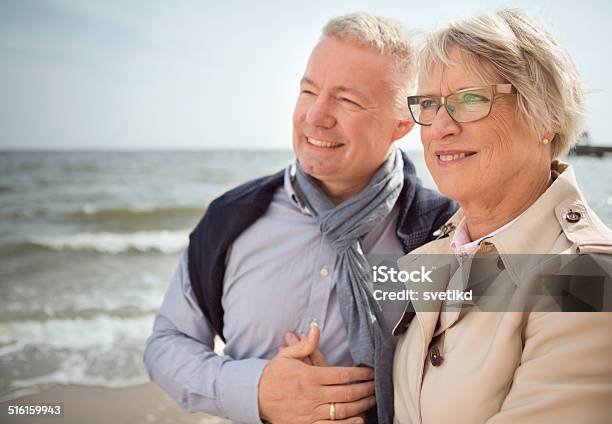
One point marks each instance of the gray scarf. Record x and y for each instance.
(370, 342)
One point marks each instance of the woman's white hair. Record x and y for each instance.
(550, 93)
(386, 36)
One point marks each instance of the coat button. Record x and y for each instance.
(435, 357)
(572, 216)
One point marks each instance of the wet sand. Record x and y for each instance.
(145, 403)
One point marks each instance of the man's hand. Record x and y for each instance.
(290, 391)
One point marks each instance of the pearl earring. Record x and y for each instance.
(545, 141)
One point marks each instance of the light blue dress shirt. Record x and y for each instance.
(280, 275)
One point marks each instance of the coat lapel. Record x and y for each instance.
(426, 303)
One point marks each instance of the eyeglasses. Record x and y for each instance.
(468, 105)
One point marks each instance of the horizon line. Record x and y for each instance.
(161, 150)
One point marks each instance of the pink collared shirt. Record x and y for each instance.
(462, 244)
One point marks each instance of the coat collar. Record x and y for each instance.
(540, 218)
(546, 218)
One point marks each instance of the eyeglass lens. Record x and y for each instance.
(464, 106)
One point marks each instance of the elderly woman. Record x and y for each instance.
(499, 102)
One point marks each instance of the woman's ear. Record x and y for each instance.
(547, 137)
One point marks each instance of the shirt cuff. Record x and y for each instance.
(238, 389)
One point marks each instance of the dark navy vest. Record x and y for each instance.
(422, 211)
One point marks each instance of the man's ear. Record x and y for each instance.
(403, 127)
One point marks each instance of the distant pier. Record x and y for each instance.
(585, 148)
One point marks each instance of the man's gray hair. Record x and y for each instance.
(550, 93)
(386, 36)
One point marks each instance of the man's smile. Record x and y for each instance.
(323, 143)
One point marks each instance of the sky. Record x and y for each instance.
(158, 74)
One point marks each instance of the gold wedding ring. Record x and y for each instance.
(332, 411)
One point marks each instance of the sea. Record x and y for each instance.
(90, 240)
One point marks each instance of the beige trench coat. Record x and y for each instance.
(511, 367)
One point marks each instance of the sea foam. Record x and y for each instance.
(141, 241)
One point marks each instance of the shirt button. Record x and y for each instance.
(435, 357)
(324, 272)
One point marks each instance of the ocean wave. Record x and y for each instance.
(41, 313)
(102, 351)
(121, 297)
(167, 242)
(101, 332)
(78, 375)
(90, 212)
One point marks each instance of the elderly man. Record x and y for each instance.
(281, 252)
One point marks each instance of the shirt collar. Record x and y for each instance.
(289, 186)
(462, 243)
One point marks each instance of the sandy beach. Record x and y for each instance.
(145, 403)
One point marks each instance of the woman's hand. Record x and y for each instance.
(305, 347)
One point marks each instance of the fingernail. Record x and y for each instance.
(313, 325)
